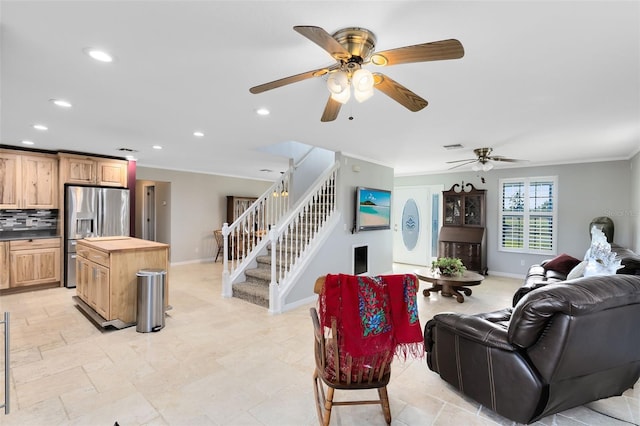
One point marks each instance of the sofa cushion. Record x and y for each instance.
(578, 270)
(562, 263)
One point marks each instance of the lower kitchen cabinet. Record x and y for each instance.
(5, 262)
(34, 262)
(92, 285)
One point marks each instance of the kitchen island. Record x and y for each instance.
(106, 270)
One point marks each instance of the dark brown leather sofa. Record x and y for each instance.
(562, 346)
(540, 275)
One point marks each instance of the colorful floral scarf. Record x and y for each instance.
(374, 315)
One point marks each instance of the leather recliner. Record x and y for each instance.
(561, 346)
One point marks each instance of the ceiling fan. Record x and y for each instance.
(483, 160)
(354, 47)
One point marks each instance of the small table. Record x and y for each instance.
(449, 286)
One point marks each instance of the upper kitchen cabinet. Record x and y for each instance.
(84, 170)
(10, 182)
(28, 181)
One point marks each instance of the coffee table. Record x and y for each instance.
(449, 286)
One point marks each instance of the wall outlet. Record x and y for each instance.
(521, 262)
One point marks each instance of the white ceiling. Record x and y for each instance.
(546, 81)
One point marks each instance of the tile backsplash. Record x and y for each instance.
(28, 220)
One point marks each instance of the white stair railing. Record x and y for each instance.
(296, 233)
(251, 228)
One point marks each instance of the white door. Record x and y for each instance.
(416, 220)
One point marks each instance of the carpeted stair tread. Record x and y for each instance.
(255, 293)
(259, 274)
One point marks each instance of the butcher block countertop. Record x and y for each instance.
(116, 244)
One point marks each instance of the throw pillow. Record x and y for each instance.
(562, 263)
(577, 271)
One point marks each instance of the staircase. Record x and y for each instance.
(267, 271)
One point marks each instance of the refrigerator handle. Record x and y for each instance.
(100, 214)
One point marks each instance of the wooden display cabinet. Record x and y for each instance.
(463, 234)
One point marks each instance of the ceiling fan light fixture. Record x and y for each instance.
(476, 167)
(342, 97)
(362, 96)
(362, 80)
(338, 82)
(487, 166)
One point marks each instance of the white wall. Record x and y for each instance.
(584, 192)
(197, 206)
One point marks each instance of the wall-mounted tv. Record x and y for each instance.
(373, 209)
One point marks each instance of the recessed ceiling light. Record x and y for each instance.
(198, 134)
(157, 147)
(40, 127)
(262, 111)
(61, 103)
(98, 55)
(27, 142)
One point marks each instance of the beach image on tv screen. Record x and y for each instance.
(375, 208)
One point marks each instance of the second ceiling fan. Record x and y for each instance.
(483, 160)
(354, 47)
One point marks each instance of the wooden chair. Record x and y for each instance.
(219, 242)
(345, 373)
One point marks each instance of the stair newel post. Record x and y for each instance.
(226, 277)
(274, 297)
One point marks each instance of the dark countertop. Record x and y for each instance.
(26, 235)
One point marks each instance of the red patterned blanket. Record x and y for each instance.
(373, 314)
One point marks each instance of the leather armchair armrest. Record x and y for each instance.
(470, 327)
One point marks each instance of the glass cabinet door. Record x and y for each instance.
(473, 210)
(452, 210)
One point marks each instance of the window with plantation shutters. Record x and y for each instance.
(528, 215)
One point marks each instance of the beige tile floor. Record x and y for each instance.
(222, 362)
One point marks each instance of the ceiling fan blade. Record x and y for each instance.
(434, 51)
(504, 159)
(331, 110)
(323, 39)
(398, 92)
(460, 161)
(292, 79)
(462, 164)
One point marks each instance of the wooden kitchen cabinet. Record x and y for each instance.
(40, 182)
(87, 170)
(5, 262)
(463, 233)
(10, 182)
(29, 181)
(112, 173)
(106, 276)
(92, 283)
(34, 262)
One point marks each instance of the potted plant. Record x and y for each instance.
(449, 266)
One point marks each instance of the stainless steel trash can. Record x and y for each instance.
(150, 300)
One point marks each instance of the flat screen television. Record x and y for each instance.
(373, 209)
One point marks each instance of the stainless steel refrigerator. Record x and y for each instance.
(92, 212)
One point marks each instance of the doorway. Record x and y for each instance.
(417, 217)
